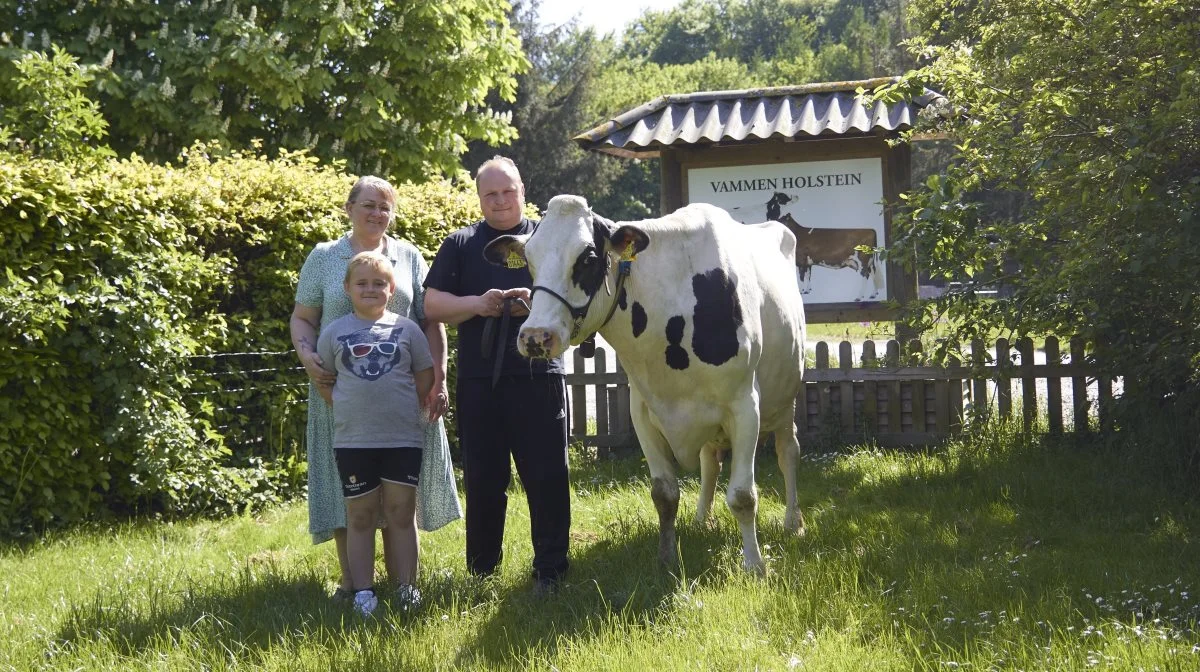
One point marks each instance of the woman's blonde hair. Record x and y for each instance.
(377, 183)
(372, 260)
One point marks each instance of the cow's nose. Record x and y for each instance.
(536, 343)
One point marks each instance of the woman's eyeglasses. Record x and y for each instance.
(364, 349)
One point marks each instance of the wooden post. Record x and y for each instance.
(979, 399)
(602, 424)
(870, 392)
(846, 364)
(578, 399)
(1079, 404)
(1054, 387)
(1003, 380)
(956, 397)
(895, 407)
(622, 420)
(913, 356)
(823, 400)
(1028, 384)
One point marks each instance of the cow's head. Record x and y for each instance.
(570, 256)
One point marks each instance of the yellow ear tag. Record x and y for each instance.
(514, 260)
(628, 254)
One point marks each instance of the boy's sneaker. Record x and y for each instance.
(408, 598)
(365, 602)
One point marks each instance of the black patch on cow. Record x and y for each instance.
(638, 315)
(589, 270)
(621, 299)
(677, 356)
(717, 318)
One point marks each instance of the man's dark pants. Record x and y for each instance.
(524, 417)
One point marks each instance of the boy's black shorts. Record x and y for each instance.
(362, 469)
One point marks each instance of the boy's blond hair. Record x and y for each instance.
(372, 260)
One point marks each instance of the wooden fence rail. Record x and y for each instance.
(901, 398)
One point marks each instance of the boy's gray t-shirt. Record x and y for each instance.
(375, 397)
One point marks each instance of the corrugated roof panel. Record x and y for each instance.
(736, 116)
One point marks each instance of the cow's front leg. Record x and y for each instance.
(742, 495)
(664, 485)
(665, 493)
(710, 468)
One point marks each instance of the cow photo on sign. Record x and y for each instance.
(833, 208)
(705, 316)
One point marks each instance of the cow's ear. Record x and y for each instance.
(629, 240)
(507, 251)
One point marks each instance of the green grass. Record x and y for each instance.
(996, 553)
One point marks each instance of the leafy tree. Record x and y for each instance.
(44, 106)
(393, 87)
(554, 102)
(1092, 109)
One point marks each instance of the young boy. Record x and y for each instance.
(384, 370)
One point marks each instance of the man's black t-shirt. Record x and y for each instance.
(460, 269)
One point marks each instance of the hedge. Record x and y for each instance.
(122, 280)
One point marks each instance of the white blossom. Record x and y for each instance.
(45, 39)
(167, 89)
(108, 60)
(93, 34)
(253, 13)
(164, 31)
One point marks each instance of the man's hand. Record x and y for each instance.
(490, 303)
(522, 300)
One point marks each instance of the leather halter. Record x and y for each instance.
(579, 313)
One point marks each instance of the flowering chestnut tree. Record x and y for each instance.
(392, 87)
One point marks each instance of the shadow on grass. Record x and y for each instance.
(615, 581)
(247, 613)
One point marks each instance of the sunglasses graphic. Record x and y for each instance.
(364, 349)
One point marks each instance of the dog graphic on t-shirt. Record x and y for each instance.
(367, 354)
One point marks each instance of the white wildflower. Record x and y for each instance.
(168, 91)
(137, 75)
(93, 34)
(107, 31)
(45, 39)
(164, 31)
(253, 14)
(108, 60)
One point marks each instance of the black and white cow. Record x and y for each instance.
(709, 326)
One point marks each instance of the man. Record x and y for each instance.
(507, 405)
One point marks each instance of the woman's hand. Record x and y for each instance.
(317, 373)
(437, 402)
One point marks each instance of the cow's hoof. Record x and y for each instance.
(758, 569)
(792, 522)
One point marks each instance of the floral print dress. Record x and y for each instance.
(321, 286)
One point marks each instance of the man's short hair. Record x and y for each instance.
(372, 260)
(377, 183)
(503, 163)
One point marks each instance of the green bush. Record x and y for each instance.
(122, 281)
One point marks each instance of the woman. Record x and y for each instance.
(320, 299)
